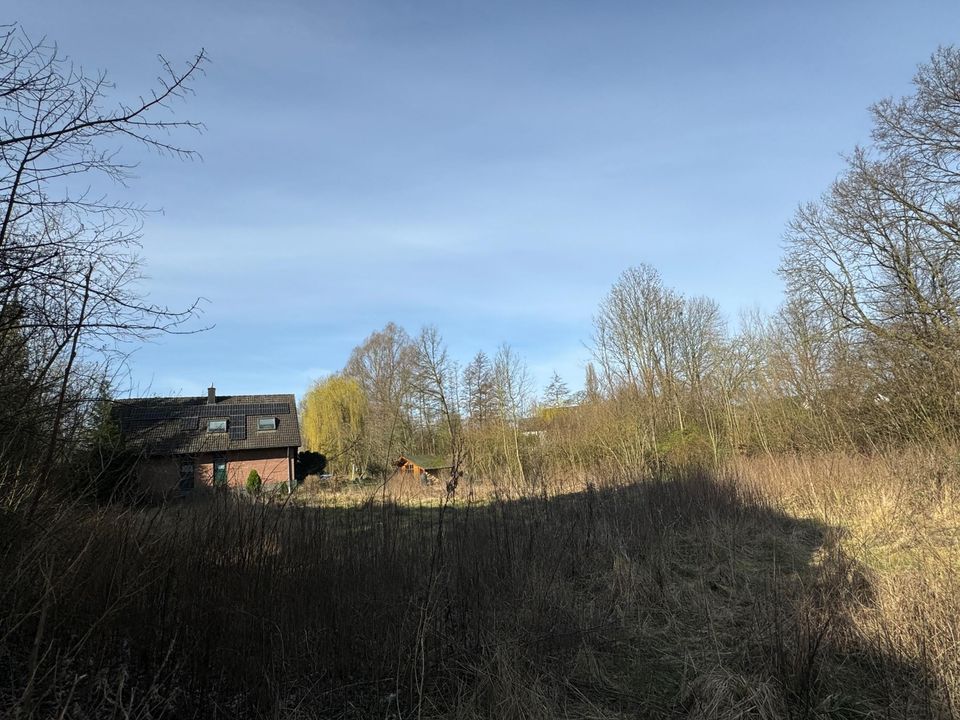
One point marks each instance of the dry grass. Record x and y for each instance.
(406, 489)
(898, 517)
(788, 587)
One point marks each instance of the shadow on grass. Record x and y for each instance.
(684, 597)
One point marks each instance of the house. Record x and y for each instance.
(196, 442)
(424, 467)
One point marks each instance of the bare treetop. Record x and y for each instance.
(59, 131)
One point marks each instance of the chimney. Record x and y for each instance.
(211, 395)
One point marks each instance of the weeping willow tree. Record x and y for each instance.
(333, 421)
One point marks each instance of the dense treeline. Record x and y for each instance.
(862, 353)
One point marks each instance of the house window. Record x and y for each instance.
(186, 475)
(220, 471)
(216, 426)
(267, 423)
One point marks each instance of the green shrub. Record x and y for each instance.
(690, 448)
(254, 483)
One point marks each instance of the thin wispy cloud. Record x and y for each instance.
(487, 167)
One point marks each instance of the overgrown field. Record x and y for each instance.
(778, 587)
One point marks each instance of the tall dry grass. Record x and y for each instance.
(780, 588)
(897, 519)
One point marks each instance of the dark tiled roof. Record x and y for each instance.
(427, 462)
(164, 425)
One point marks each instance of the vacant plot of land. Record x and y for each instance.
(814, 588)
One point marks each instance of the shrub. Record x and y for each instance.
(254, 483)
(689, 448)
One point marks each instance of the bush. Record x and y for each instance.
(254, 483)
(689, 448)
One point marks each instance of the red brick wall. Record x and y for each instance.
(162, 475)
(273, 465)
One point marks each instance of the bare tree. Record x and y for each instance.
(478, 386)
(700, 339)
(69, 270)
(436, 377)
(880, 250)
(57, 132)
(591, 384)
(632, 341)
(512, 383)
(383, 364)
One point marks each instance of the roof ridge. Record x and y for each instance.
(202, 398)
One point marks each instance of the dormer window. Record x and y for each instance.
(216, 426)
(267, 423)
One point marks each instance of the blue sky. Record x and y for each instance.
(489, 167)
